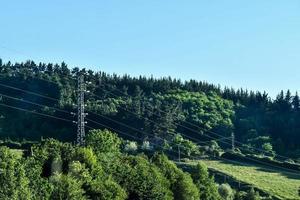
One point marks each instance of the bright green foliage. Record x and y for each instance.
(14, 185)
(268, 148)
(280, 184)
(53, 155)
(226, 192)
(181, 183)
(252, 195)
(107, 189)
(86, 156)
(166, 101)
(57, 170)
(41, 188)
(240, 195)
(206, 185)
(142, 180)
(264, 143)
(103, 141)
(66, 188)
(209, 111)
(185, 189)
(214, 148)
(187, 147)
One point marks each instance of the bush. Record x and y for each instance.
(130, 147)
(226, 192)
(252, 195)
(146, 146)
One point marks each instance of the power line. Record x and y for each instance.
(34, 112)
(134, 114)
(220, 158)
(194, 125)
(208, 136)
(36, 104)
(46, 115)
(245, 157)
(29, 92)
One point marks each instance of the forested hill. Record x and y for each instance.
(151, 108)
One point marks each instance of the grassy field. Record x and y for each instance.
(280, 183)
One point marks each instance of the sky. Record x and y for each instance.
(250, 44)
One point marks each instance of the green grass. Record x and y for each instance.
(281, 184)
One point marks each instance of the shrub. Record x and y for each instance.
(226, 192)
(130, 147)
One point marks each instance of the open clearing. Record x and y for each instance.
(278, 183)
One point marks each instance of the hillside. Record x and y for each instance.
(179, 119)
(154, 107)
(279, 183)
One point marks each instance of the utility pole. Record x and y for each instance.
(232, 141)
(80, 111)
(178, 147)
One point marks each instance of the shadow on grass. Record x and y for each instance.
(291, 174)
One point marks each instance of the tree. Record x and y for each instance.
(103, 141)
(181, 183)
(226, 192)
(14, 184)
(106, 189)
(40, 187)
(66, 187)
(252, 195)
(296, 102)
(141, 179)
(268, 148)
(206, 185)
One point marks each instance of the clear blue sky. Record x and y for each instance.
(251, 44)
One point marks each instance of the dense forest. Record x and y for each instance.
(148, 109)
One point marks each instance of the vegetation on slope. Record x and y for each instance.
(58, 170)
(282, 184)
(171, 104)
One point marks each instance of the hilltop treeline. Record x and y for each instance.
(155, 108)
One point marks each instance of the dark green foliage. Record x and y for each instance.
(142, 180)
(167, 102)
(174, 103)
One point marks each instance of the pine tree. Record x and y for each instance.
(296, 102)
